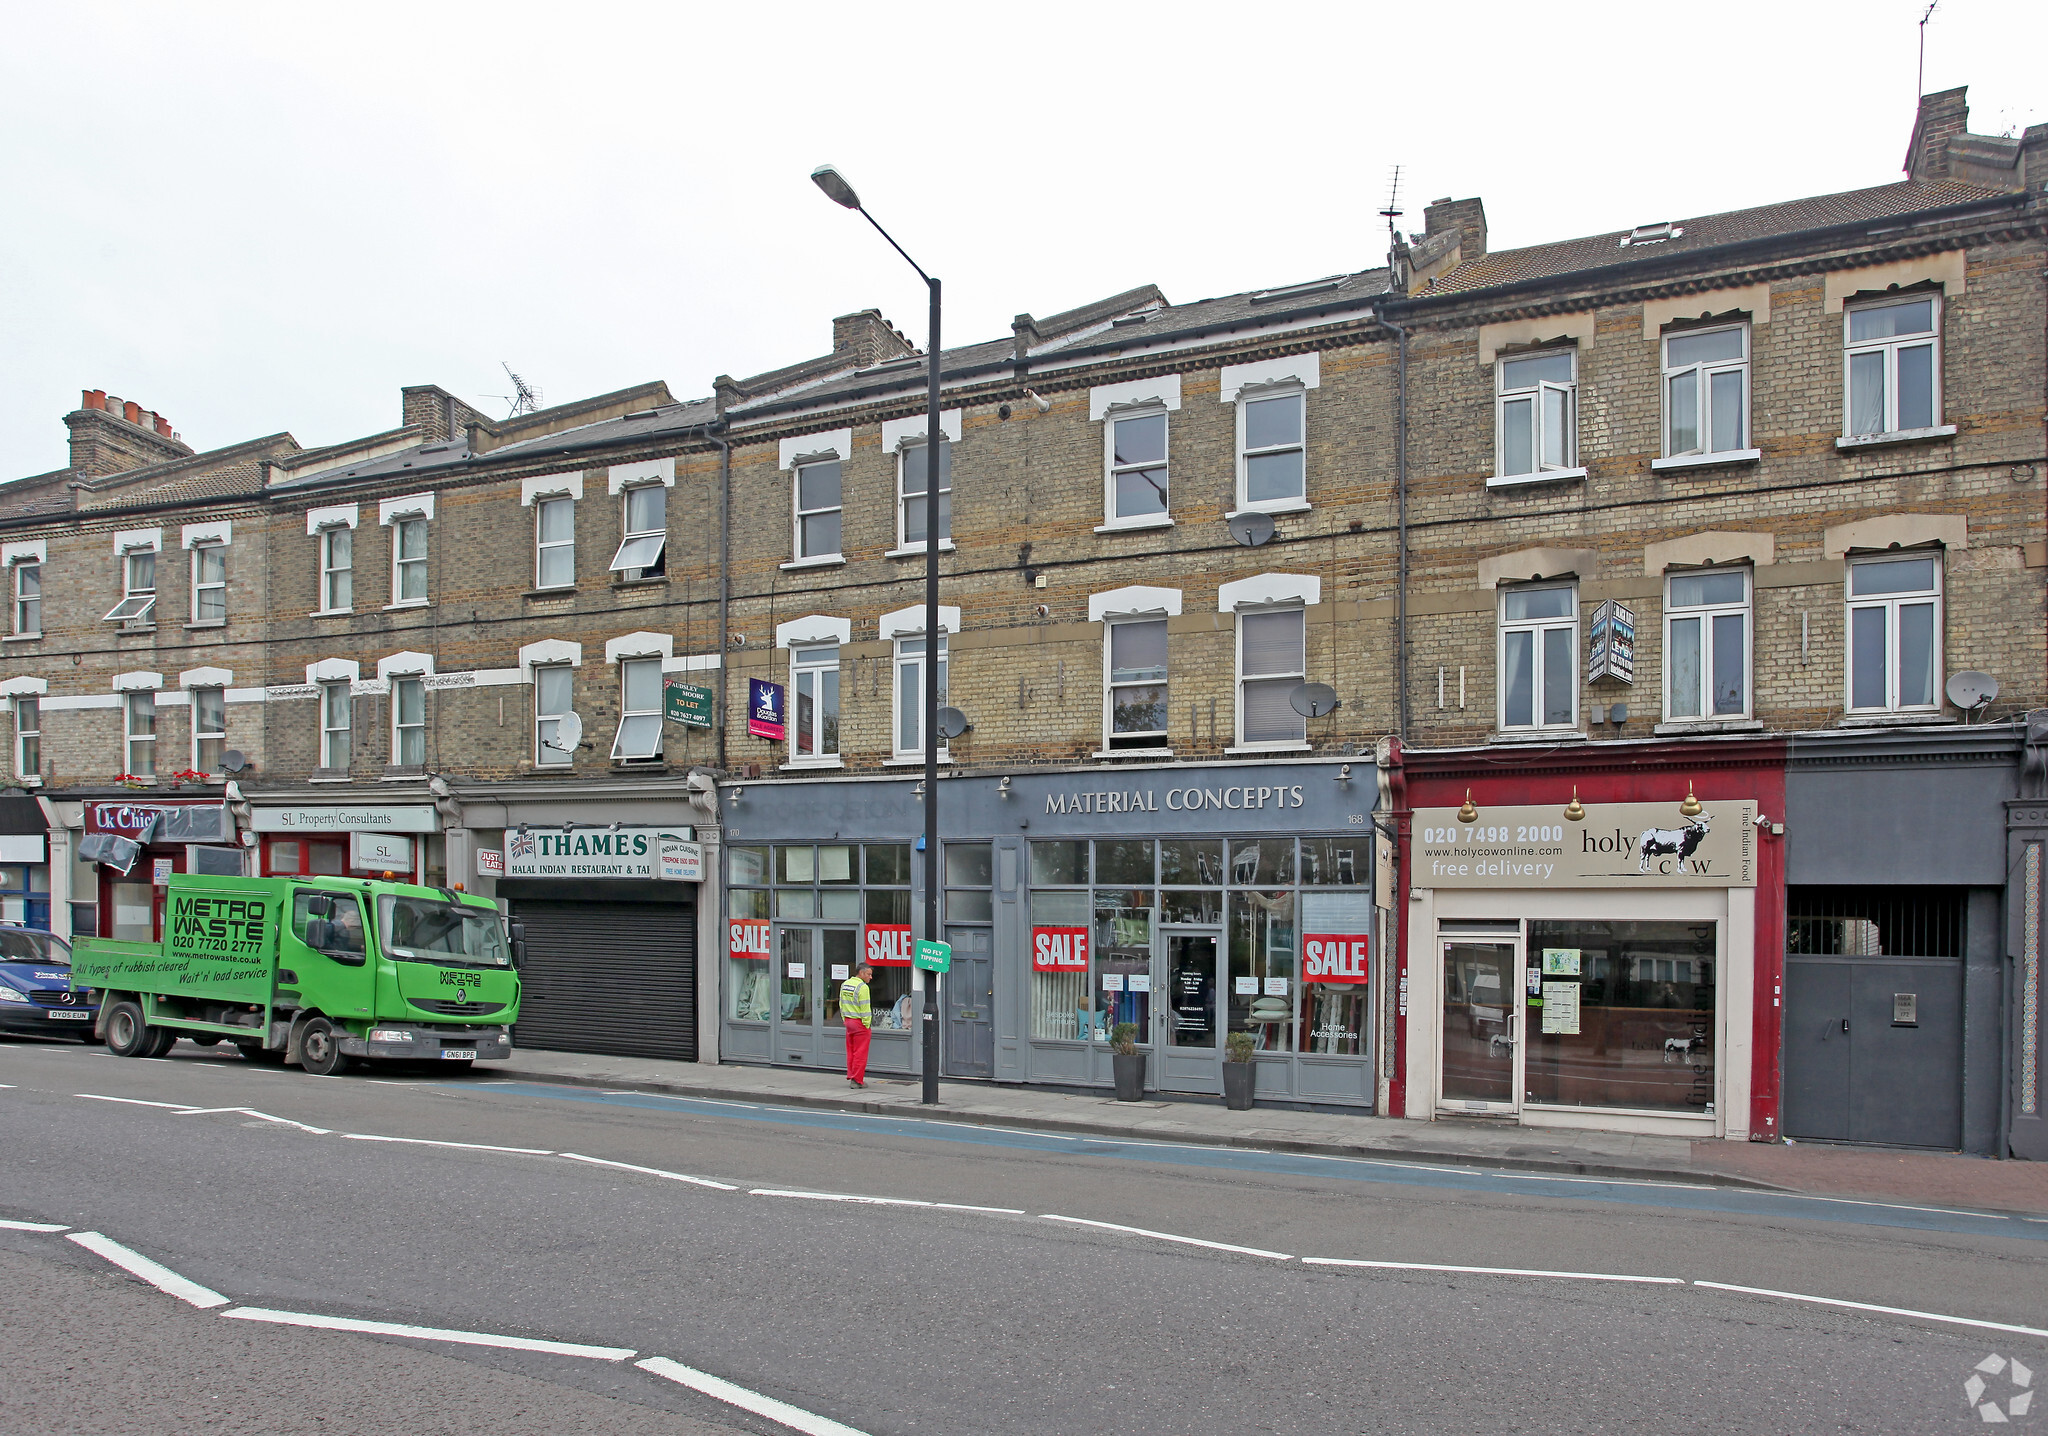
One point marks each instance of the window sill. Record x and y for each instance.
(633, 767)
(403, 773)
(126, 629)
(1929, 718)
(914, 760)
(1537, 735)
(331, 613)
(1125, 526)
(560, 590)
(27, 782)
(208, 623)
(1678, 727)
(658, 581)
(1276, 507)
(1547, 476)
(328, 775)
(1112, 754)
(410, 603)
(1708, 461)
(1897, 436)
(916, 550)
(806, 765)
(21, 638)
(823, 560)
(1256, 748)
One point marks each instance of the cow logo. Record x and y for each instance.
(1678, 843)
(2018, 1378)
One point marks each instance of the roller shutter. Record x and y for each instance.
(617, 979)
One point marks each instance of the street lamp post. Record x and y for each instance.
(839, 191)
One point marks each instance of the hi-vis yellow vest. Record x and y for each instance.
(853, 1000)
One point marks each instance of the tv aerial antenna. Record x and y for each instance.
(1920, 81)
(524, 398)
(1393, 212)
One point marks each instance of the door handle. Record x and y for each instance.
(1845, 1024)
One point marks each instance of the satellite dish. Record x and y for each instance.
(1251, 529)
(1971, 690)
(233, 761)
(568, 733)
(1314, 700)
(952, 722)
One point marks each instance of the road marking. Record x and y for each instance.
(265, 1116)
(466, 1146)
(1170, 1237)
(136, 1264)
(1902, 1207)
(794, 1417)
(1495, 1270)
(651, 1172)
(962, 1207)
(429, 1333)
(33, 1227)
(838, 1197)
(1866, 1306)
(136, 1102)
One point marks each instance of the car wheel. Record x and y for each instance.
(320, 1049)
(127, 1034)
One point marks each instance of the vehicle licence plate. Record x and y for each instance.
(59, 1015)
(467, 1054)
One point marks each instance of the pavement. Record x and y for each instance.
(1868, 1173)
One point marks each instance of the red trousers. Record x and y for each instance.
(856, 1050)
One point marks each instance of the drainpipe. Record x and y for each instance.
(1401, 519)
(724, 579)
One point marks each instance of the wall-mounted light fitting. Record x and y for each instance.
(1575, 811)
(1003, 788)
(1692, 807)
(1344, 773)
(737, 794)
(1470, 812)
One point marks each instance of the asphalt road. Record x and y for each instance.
(990, 1292)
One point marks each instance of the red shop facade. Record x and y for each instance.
(1591, 935)
(136, 846)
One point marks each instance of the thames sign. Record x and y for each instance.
(590, 852)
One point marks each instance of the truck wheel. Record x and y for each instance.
(161, 1040)
(127, 1034)
(320, 1049)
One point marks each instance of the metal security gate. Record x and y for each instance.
(1874, 1015)
(619, 979)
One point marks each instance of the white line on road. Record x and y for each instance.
(650, 1171)
(1170, 1237)
(838, 1197)
(1866, 1306)
(794, 1417)
(1495, 1270)
(429, 1333)
(963, 1207)
(33, 1227)
(429, 1142)
(265, 1116)
(137, 1102)
(136, 1264)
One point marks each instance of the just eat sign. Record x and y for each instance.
(1333, 957)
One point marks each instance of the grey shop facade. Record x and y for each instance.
(1190, 901)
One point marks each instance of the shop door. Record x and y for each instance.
(1482, 1013)
(810, 964)
(1190, 1044)
(970, 994)
(1874, 1050)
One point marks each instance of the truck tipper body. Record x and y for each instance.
(317, 971)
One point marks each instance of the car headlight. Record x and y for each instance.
(389, 1034)
(8, 994)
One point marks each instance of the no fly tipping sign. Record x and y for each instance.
(933, 956)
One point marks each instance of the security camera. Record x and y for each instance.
(1044, 404)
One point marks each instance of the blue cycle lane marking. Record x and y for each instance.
(1726, 1200)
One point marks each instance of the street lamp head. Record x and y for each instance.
(828, 179)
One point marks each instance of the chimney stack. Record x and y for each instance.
(870, 338)
(1943, 116)
(110, 435)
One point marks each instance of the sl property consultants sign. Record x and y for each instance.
(1616, 845)
(597, 853)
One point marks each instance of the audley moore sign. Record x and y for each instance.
(1616, 845)
(596, 853)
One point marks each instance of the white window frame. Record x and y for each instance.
(400, 526)
(1110, 685)
(1259, 394)
(1892, 603)
(655, 556)
(1537, 626)
(904, 658)
(138, 605)
(336, 740)
(138, 744)
(1111, 469)
(905, 544)
(201, 736)
(627, 668)
(543, 547)
(806, 668)
(28, 766)
(402, 730)
(1704, 373)
(1502, 397)
(1242, 678)
(201, 586)
(799, 513)
(331, 572)
(23, 629)
(1705, 614)
(1889, 348)
(547, 722)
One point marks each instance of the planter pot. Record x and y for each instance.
(1237, 1086)
(1130, 1076)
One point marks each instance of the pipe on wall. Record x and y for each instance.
(1400, 521)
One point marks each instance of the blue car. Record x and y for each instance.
(35, 986)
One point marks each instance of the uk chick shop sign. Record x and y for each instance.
(590, 852)
(1617, 845)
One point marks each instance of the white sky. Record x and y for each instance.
(262, 217)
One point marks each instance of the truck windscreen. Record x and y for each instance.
(421, 930)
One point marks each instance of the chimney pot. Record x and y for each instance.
(163, 426)
(94, 399)
(132, 412)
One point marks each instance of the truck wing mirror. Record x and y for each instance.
(320, 905)
(519, 944)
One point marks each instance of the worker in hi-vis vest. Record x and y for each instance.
(853, 1006)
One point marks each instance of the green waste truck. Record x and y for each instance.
(317, 971)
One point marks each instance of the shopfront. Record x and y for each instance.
(24, 861)
(362, 840)
(1597, 961)
(1179, 904)
(131, 848)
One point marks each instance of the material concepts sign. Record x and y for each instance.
(1617, 845)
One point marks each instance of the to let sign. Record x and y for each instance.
(764, 709)
(690, 704)
(1059, 949)
(1334, 957)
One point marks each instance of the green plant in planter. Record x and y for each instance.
(1123, 1039)
(1237, 1047)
